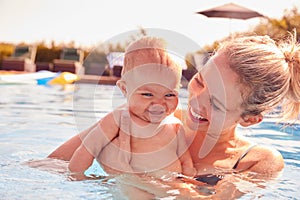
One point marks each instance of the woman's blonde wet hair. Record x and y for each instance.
(269, 72)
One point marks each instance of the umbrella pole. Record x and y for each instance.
(230, 21)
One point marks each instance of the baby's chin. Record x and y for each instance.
(148, 120)
(155, 120)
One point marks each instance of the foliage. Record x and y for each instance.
(6, 50)
(276, 28)
(46, 54)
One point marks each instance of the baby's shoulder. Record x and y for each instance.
(179, 113)
(113, 117)
(171, 119)
(171, 123)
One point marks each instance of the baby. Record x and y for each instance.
(142, 135)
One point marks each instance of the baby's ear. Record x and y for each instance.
(249, 120)
(122, 86)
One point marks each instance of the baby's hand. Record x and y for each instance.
(190, 171)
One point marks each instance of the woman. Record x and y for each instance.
(246, 78)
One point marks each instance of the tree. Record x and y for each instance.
(278, 28)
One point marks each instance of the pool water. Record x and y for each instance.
(36, 119)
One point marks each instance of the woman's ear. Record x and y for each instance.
(249, 120)
(122, 86)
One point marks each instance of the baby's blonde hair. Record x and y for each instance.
(270, 73)
(147, 50)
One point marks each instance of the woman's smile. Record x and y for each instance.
(196, 117)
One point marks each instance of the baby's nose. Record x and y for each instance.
(158, 108)
(158, 100)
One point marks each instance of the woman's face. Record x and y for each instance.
(214, 97)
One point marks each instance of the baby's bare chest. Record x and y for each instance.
(165, 138)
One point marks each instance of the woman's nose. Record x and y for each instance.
(201, 99)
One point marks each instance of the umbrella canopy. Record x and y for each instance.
(230, 10)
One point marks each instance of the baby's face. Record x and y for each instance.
(152, 102)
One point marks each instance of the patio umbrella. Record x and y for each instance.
(230, 11)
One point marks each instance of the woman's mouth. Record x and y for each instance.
(197, 117)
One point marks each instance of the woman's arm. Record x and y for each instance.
(67, 149)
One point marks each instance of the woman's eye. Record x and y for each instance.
(199, 81)
(147, 94)
(215, 107)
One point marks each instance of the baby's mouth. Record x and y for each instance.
(197, 116)
(156, 113)
(156, 110)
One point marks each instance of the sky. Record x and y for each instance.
(91, 22)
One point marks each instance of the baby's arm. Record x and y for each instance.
(187, 164)
(81, 160)
(184, 154)
(94, 142)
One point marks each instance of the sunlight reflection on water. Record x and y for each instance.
(36, 119)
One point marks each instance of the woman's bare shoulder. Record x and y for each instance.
(269, 160)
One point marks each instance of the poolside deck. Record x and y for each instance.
(88, 79)
(94, 79)
(11, 72)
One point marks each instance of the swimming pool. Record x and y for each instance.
(36, 119)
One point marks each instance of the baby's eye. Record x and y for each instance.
(170, 95)
(146, 94)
